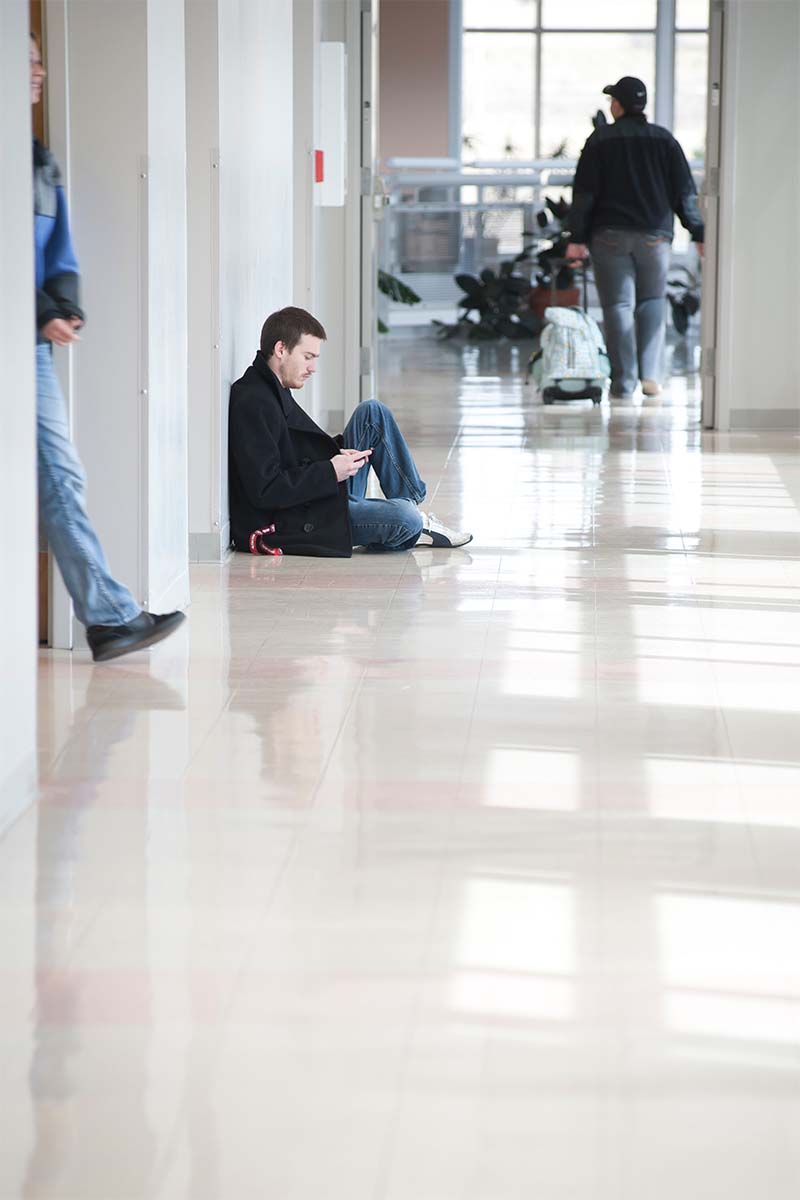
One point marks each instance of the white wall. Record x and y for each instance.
(18, 540)
(338, 247)
(305, 138)
(758, 386)
(127, 189)
(166, 451)
(415, 78)
(207, 539)
(241, 52)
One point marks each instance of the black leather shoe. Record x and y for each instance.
(112, 641)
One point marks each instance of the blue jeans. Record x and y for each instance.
(630, 270)
(393, 523)
(96, 595)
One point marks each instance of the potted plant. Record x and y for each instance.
(555, 278)
(494, 305)
(396, 290)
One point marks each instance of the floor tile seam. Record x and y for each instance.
(447, 460)
(198, 750)
(336, 739)
(412, 1025)
(731, 757)
(475, 701)
(67, 962)
(248, 953)
(67, 743)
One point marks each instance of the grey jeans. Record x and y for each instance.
(630, 271)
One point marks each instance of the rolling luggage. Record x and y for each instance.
(572, 362)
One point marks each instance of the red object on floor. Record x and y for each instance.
(319, 166)
(257, 546)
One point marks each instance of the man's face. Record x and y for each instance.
(37, 73)
(294, 367)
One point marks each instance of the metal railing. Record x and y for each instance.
(444, 217)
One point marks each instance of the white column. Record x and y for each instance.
(338, 260)
(241, 167)
(209, 527)
(126, 132)
(305, 142)
(759, 218)
(664, 107)
(18, 541)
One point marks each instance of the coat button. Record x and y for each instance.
(308, 527)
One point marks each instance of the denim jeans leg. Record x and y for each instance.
(98, 598)
(615, 277)
(373, 425)
(385, 524)
(652, 254)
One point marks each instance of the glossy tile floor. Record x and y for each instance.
(442, 876)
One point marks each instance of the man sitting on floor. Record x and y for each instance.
(295, 489)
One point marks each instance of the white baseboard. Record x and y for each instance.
(765, 419)
(210, 547)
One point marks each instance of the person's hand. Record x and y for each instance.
(701, 250)
(576, 251)
(349, 462)
(61, 332)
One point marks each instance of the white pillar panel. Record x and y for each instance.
(18, 540)
(256, 161)
(306, 120)
(759, 218)
(209, 530)
(339, 262)
(127, 175)
(240, 202)
(166, 450)
(331, 191)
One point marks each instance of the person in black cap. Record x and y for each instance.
(631, 178)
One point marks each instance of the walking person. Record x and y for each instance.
(115, 624)
(632, 178)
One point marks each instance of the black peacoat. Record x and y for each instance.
(280, 471)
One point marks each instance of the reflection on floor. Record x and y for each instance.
(465, 875)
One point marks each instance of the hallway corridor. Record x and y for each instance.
(468, 875)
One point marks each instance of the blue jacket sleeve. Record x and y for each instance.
(61, 284)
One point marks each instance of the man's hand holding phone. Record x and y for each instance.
(349, 463)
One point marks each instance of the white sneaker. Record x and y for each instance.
(435, 533)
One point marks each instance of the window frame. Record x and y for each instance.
(665, 33)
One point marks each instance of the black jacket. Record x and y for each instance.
(280, 471)
(633, 175)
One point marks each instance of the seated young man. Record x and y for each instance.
(297, 490)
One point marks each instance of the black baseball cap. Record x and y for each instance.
(630, 91)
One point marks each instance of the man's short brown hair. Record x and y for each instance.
(288, 325)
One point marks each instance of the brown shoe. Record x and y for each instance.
(650, 387)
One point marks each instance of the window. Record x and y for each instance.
(575, 69)
(691, 82)
(499, 95)
(590, 14)
(533, 72)
(691, 14)
(499, 14)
